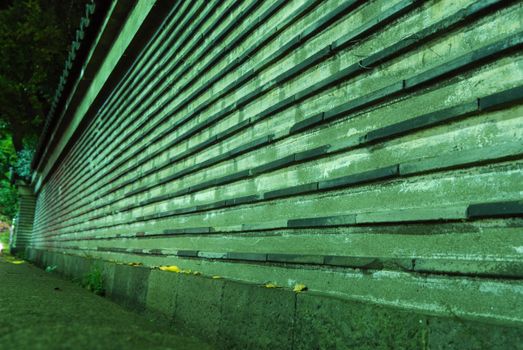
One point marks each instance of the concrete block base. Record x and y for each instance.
(234, 315)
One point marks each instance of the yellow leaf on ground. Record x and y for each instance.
(171, 268)
(135, 264)
(299, 288)
(216, 277)
(270, 285)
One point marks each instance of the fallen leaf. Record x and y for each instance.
(270, 285)
(171, 268)
(299, 288)
(216, 277)
(135, 264)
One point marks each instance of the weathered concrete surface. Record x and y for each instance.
(235, 315)
(370, 150)
(39, 310)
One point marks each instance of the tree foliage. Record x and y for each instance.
(35, 36)
(8, 202)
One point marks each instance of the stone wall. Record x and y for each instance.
(23, 223)
(368, 150)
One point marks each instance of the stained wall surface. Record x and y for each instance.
(23, 223)
(369, 150)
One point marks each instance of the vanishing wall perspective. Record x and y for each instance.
(369, 150)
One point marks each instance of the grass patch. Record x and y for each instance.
(93, 281)
(4, 239)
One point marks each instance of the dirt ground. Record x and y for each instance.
(39, 310)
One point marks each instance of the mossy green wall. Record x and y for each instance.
(368, 150)
(23, 224)
(237, 315)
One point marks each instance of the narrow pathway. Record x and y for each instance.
(39, 310)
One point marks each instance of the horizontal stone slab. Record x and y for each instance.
(413, 214)
(495, 209)
(157, 252)
(502, 99)
(313, 153)
(274, 165)
(248, 98)
(243, 200)
(343, 9)
(423, 121)
(233, 129)
(330, 81)
(364, 101)
(307, 123)
(188, 230)
(354, 262)
(464, 61)
(213, 205)
(340, 220)
(212, 255)
(296, 258)
(250, 145)
(467, 157)
(303, 65)
(290, 191)
(241, 175)
(187, 253)
(247, 256)
(267, 225)
(376, 23)
(367, 176)
(202, 186)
